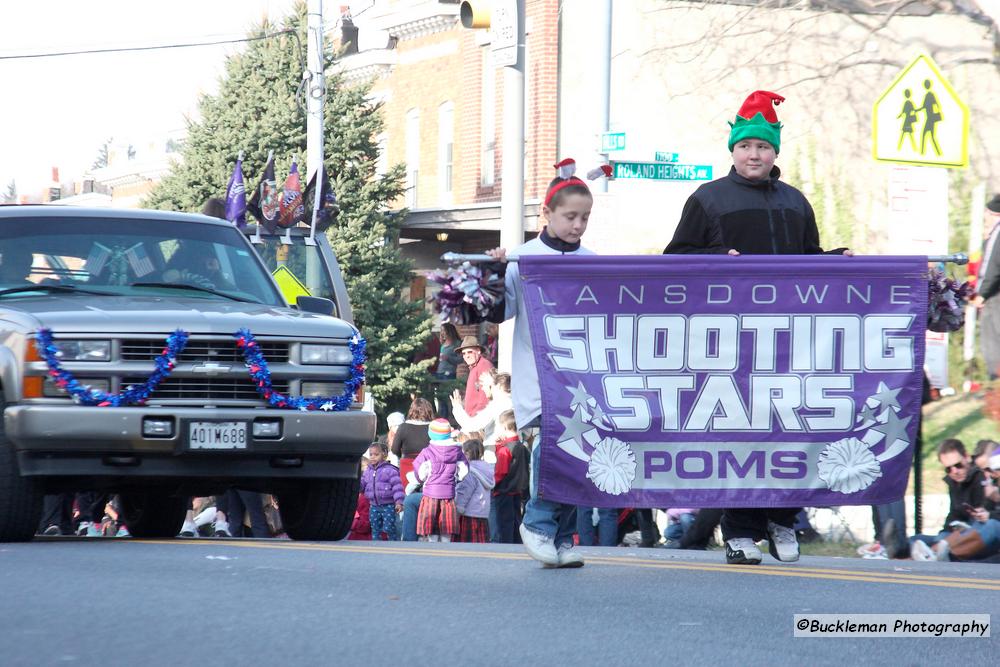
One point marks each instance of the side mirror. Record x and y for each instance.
(314, 304)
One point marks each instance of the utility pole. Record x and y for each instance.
(512, 173)
(315, 90)
(603, 75)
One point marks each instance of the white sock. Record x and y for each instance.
(446, 538)
(206, 517)
(221, 525)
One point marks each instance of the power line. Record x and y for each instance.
(147, 48)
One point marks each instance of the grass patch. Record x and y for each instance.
(843, 549)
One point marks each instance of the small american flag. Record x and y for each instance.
(97, 258)
(139, 260)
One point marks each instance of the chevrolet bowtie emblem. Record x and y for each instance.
(211, 368)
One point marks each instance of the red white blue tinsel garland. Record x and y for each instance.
(946, 302)
(260, 373)
(468, 292)
(132, 395)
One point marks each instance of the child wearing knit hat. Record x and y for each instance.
(750, 211)
(437, 467)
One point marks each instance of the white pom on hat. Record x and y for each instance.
(603, 170)
(566, 168)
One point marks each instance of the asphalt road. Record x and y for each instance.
(244, 602)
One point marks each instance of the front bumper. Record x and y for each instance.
(75, 440)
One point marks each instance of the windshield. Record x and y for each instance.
(298, 268)
(119, 255)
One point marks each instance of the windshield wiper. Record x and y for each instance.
(195, 288)
(54, 288)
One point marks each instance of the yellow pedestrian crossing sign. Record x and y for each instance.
(921, 120)
(291, 287)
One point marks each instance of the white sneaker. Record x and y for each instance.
(742, 551)
(568, 557)
(221, 529)
(189, 529)
(941, 550)
(783, 544)
(433, 538)
(920, 551)
(539, 547)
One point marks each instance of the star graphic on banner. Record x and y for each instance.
(894, 429)
(886, 397)
(580, 396)
(327, 406)
(599, 418)
(867, 415)
(574, 428)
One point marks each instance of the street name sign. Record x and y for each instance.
(666, 157)
(662, 171)
(612, 141)
(921, 120)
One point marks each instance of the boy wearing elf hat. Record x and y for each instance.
(750, 211)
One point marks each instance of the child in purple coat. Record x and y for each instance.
(437, 466)
(381, 485)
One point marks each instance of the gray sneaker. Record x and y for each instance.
(540, 547)
(742, 551)
(568, 557)
(783, 544)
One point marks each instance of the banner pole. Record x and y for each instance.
(959, 258)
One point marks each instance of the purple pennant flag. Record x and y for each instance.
(264, 200)
(705, 381)
(236, 197)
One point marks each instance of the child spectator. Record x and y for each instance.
(472, 496)
(436, 466)
(512, 473)
(381, 485)
(361, 527)
(679, 520)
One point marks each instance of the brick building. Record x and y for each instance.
(442, 103)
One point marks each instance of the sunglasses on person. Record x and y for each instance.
(958, 466)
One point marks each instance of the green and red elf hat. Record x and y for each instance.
(757, 119)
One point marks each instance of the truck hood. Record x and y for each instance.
(158, 314)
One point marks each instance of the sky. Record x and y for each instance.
(58, 111)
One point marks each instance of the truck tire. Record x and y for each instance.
(20, 497)
(322, 510)
(153, 513)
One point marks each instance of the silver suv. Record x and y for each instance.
(112, 286)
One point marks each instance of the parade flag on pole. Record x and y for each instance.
(705, 381)
(328, 208)
(264, 201)
(236, 196)
(291, 210)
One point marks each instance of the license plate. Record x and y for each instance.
(217, 435)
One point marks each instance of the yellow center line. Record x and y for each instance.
(765, 570)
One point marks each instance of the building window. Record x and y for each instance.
(412, 156)
(382, 161)
(489, 120)
(446, 147)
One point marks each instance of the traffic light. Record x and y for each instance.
(475, 13)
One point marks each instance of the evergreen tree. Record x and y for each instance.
(10, 197)
(101, 160)
(258, 109)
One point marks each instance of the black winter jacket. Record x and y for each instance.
(764, 217)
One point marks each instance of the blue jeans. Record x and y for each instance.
(607, 526)
(989, 531)
(411, 505)
(676, 529)
(545, 517)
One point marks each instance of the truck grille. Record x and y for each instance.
(205, 388)
(201, 350)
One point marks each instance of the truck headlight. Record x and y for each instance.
(326, 354)
(50, 390)
(316, 389)
(83, 350)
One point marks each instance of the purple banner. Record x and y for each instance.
(716, 381)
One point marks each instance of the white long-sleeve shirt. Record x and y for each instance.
(525, 391)
(485, 419)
